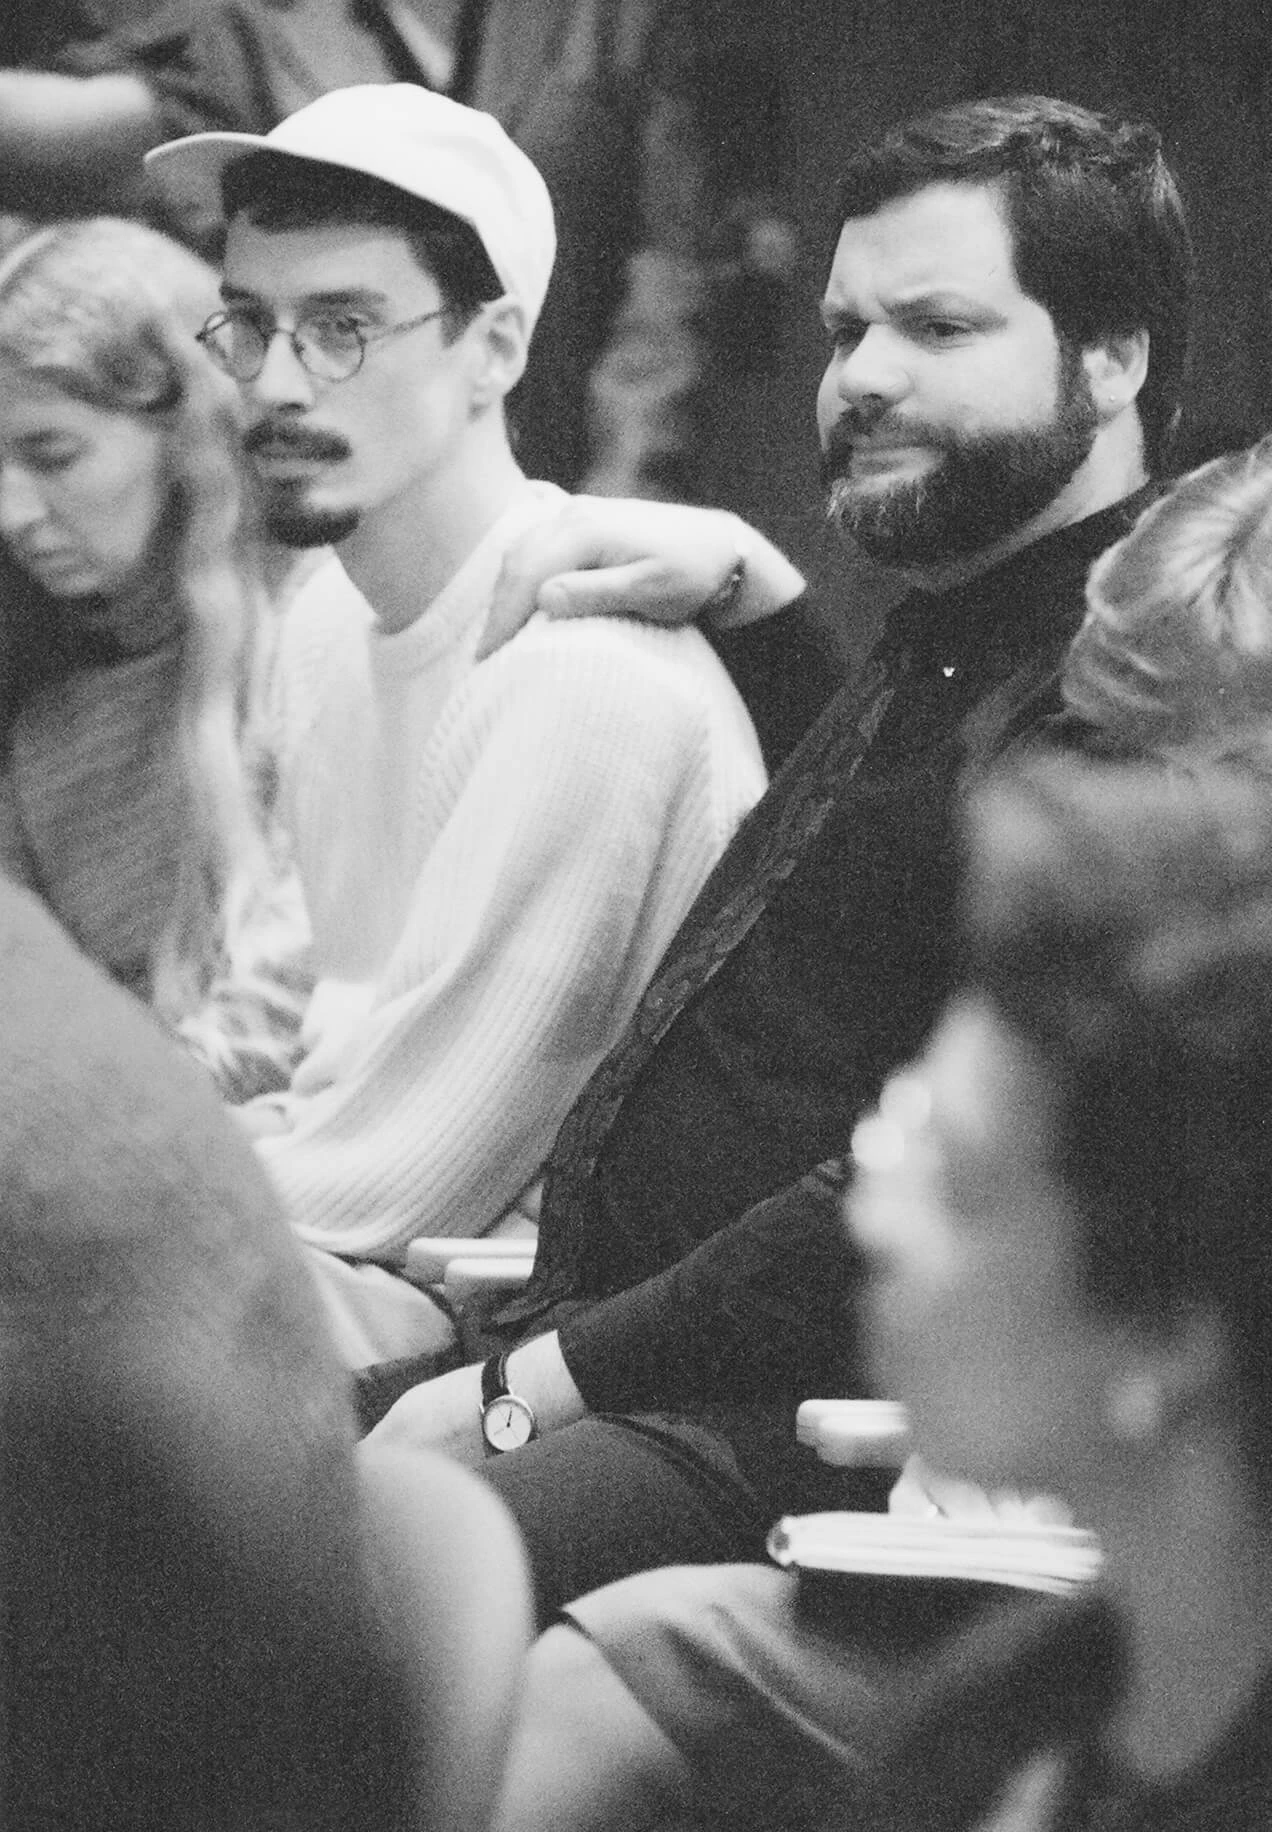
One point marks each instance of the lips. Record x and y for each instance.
(867, 452)
(866, 459)
(273, 445)
(859, 446)
(43, 559)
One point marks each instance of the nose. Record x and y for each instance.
(21, 504)
(283, 381)
(873, 371)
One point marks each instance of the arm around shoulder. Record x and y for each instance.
(657, 562)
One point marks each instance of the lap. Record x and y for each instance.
(769, 1691)
(609, 1496)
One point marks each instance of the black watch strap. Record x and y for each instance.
(494, 1378)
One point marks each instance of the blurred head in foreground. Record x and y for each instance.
(1065, 1200)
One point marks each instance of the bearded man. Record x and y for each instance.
(1007, 311)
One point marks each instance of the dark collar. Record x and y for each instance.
(1014, 604)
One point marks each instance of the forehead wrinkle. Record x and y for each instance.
(913, 291)
(937, 241)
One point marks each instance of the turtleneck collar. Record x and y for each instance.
(142, 619)
(1007, 603)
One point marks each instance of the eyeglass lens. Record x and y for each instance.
(331, 348)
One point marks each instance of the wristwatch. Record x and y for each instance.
(507, 1420)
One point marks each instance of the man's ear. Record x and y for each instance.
(1168, 1376)
(1195, 1357)
(1116, 368)
(503, 343)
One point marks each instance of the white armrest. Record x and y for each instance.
(476, 1279)
(856, 1433)
(427, 1259)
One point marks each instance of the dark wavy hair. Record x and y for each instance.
(279, 191)
(1119, 917)
(1097, 225)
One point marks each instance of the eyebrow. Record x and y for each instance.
(834, 316)
(37, 437)
(364, 298)
(944, 301)
(941, 301)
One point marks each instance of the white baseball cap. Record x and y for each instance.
(422, 143)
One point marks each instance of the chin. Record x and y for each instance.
(63, 583)
(298, 524)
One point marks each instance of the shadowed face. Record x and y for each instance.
(82, 489)
(330, 453)
(975, 1311)
(950, 414)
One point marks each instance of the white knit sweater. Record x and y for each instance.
(494, 856)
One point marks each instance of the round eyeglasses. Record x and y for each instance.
(330, 346)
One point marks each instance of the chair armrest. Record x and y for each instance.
(428, 1258)
(855, 1433)
(473, 1281)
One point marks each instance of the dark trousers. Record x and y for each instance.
(610, 1495)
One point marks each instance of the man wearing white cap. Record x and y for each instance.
(494, 853)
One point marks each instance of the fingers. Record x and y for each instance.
(574, 541)
(922, 1492)
(643, 589)
(909, 1495)
(1033, 1510)
(527, 564)
(656, 561)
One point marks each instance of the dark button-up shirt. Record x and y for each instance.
(765, 1071)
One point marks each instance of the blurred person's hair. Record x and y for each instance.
(106, 311)
(276, 191)
(1119, 918)
(1097, 227)
(1176, 646)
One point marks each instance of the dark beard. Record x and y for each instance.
(981, 489)
(291, 520)
(288, 517)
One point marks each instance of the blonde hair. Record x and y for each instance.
(1176, 647)
(106, 311)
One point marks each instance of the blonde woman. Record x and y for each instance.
(1176, 646)
(129, 589)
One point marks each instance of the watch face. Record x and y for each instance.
(507, 1422)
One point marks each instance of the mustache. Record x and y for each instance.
(865, 422)
(300, 441)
